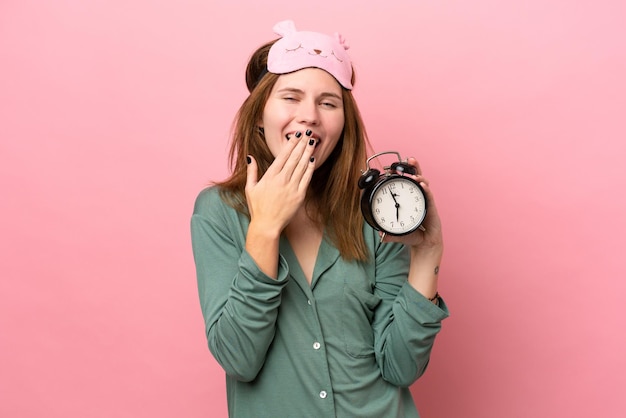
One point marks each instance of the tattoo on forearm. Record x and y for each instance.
(436, 270)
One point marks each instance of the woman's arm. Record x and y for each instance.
(405, 321)
(411, 312)
(239, 301)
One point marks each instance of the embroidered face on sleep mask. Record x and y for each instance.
(297, 50)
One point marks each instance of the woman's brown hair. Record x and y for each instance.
(333, 187)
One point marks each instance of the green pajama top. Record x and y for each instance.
(347, 345)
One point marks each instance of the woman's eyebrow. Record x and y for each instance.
(290, 90)
(329, 94)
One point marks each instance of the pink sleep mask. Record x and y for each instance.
(298, 50)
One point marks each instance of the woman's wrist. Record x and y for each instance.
(262, 245)
(264, 231)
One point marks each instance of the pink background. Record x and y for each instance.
(114, 114)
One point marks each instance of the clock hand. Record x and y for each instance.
(393, 196)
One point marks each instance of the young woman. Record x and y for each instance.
(307, 311)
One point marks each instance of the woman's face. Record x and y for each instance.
(305, 99)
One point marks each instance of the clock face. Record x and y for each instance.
(398, 205)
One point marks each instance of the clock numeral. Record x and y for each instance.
(379, 200)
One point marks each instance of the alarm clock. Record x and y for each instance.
(391, 202)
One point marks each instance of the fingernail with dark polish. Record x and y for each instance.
(308, 132)
(248, 159)
(311, 141)
(288, 137)
(298, 134)
(312, 159)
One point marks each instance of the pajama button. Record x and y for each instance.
(316, 345)
(323, 394)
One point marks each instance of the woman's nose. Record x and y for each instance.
(308, 113)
